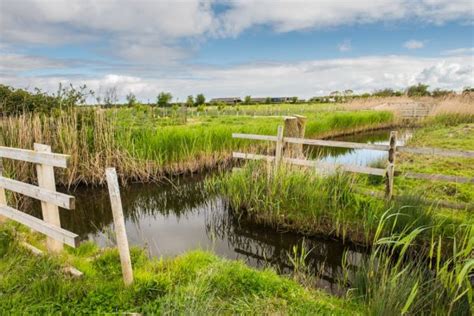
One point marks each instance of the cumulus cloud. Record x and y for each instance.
(292, 15)
(143, 28)
(140, 29)
(413, 44)
(304, 79)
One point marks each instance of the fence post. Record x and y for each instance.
(279, 147)
(3, 197)
(294, 127)
(119, 223)
(50, 211)
(391, 165)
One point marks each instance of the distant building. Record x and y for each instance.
(280, 99)
(258, 100)
(230, 101)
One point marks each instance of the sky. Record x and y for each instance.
(236, 48)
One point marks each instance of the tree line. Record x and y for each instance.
(18, 101)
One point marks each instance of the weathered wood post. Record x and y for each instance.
(119, 223)
(391, 165)
(50, 211)
(279, 147)
(295, 128)
(3, 197)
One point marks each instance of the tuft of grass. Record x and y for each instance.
(398, 278)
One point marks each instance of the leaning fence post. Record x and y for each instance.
(119, 223)
(50, 211)
(279, 147)
(391, 165)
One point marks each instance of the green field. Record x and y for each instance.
(145, 147)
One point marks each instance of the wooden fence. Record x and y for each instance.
(297, 158)
(51, 200)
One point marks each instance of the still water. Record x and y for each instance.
(175, 217)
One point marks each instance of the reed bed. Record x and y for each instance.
(142, 149)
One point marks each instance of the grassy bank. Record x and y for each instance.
(194, 283)
(301, 200)
(446, 132)
(142, 149)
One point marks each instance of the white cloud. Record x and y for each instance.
(292, 15)
(459, 51)
(345, 46)
(413, 44)
(304, 79)
(154, 30)
(139, 29)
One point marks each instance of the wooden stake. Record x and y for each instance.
(279, 147)
(119, 223)
(391, 165)
(45, 174)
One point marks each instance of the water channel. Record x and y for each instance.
(172, 218)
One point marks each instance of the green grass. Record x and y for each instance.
(400, 278)
(143, 149)
(439, 135)
(194, 283)
(301, 200)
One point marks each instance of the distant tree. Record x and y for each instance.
(131, 99)
(190, 101)
(200, 99)
(467, 90)
(387, 92)
(164, 99)
(294, 99)
(268, 100)
(335, 94)
(419, 90)
(110, 97)
(437, 93)
(247, 99)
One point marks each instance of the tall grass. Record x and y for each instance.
(400, 278)
(304, 201)
(142, 149)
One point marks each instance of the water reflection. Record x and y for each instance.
(171, 219)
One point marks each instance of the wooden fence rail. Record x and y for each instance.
(45, 160)
(389, 173)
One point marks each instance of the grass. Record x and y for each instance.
(448, 132)
(303, 201)
(142, 149)
(399, 278)
(194, 283)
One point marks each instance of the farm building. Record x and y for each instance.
(280, 99)
(258, 100)
(230, 101)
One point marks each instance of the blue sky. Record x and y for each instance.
(236, 48)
